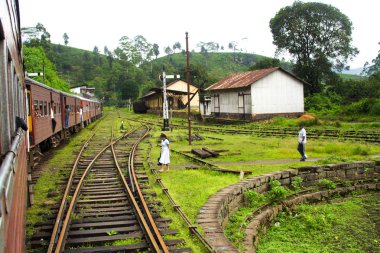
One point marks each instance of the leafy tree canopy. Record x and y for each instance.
(374, 68)
(36, 61)
(318, 36)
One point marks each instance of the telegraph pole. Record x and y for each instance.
(165, 111)
(188, 85)
(165, 107)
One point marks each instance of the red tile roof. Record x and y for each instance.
(244, 79)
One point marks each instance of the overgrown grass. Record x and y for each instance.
(349, 226)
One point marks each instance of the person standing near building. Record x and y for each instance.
(53, 122)
(302, 143)
(67, 114)
(165, 153)
(81, 116)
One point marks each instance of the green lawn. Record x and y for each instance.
(350, 226)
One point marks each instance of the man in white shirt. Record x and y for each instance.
(302, 143)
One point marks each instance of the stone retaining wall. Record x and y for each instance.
(261, 222)
(214, 215)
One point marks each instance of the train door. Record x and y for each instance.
(30, 112)
(63, 112)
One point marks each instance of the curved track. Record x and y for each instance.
(104, 207)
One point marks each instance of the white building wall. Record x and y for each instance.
(229, 101)
(277, 93)
(76, 90)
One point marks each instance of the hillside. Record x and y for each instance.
(78, 66)
(217, 64)
(106, 73)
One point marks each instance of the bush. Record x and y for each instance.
(277, 192)
(358, 150)
(253, 197)
(327, 184)
(375, 107)
(323, 102)
(360, 107)
(297, 183)
(310, 122)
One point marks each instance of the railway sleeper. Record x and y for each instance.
(137, 247)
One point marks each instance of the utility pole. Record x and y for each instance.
(165, 107)
(165, 112)
(188, 85)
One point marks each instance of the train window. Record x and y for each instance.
(55, 108)
(41, 109)
(45, 109)
(35, 107)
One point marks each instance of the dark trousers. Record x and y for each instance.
(53, 124)
(301, 149)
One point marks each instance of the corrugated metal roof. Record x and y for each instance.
(241, 80)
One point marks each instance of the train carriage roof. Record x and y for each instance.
(31, 81)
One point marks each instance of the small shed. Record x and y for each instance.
(176, 95)
(256, 95)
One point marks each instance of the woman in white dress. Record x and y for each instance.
(165, 153)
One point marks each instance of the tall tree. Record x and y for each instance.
(105, 50)
(135, 51)
(156, 50)
(374, 68)
(168, 50)
(318, 36)
(177, 45)
(95, 50)
(66, 39)
(208, 46)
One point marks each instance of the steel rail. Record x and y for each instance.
(63, 205)
(193, 228)
(152, 240)
(140, 195)
(61, 240)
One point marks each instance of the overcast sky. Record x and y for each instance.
(93, 22)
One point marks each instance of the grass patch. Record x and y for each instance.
(348, 226)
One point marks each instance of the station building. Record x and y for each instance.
(176, 95)
(255, 95)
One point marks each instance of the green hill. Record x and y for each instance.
(82, 67)
(217, 64)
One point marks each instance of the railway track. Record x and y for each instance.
(104, 207)
(352, 135)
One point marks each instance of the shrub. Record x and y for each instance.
(310, 122)
(253, 197)
(338, 124)
(277, 192)
(322, 102)
(297, 183)
(375, 107)
(363, 106)
(358, 150)
(327, 183)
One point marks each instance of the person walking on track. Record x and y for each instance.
(302, 143)
(165, 153)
